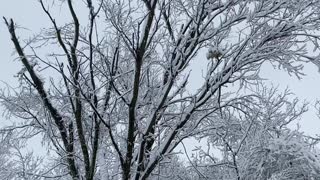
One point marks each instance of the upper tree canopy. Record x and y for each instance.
(109, 96)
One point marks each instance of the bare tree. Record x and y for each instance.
(255, 141)
(17, 162)
(110, 95)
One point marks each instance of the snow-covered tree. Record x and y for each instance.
(109, 94)
(254, 141)
(17, 162)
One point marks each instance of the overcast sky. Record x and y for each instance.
(28, 14)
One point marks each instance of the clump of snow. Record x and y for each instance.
(213, 52)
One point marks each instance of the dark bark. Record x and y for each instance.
(38, 85)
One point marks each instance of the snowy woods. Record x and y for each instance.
(107, 91)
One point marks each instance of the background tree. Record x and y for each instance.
(254, 141)
(17, 162)
(110, 94)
